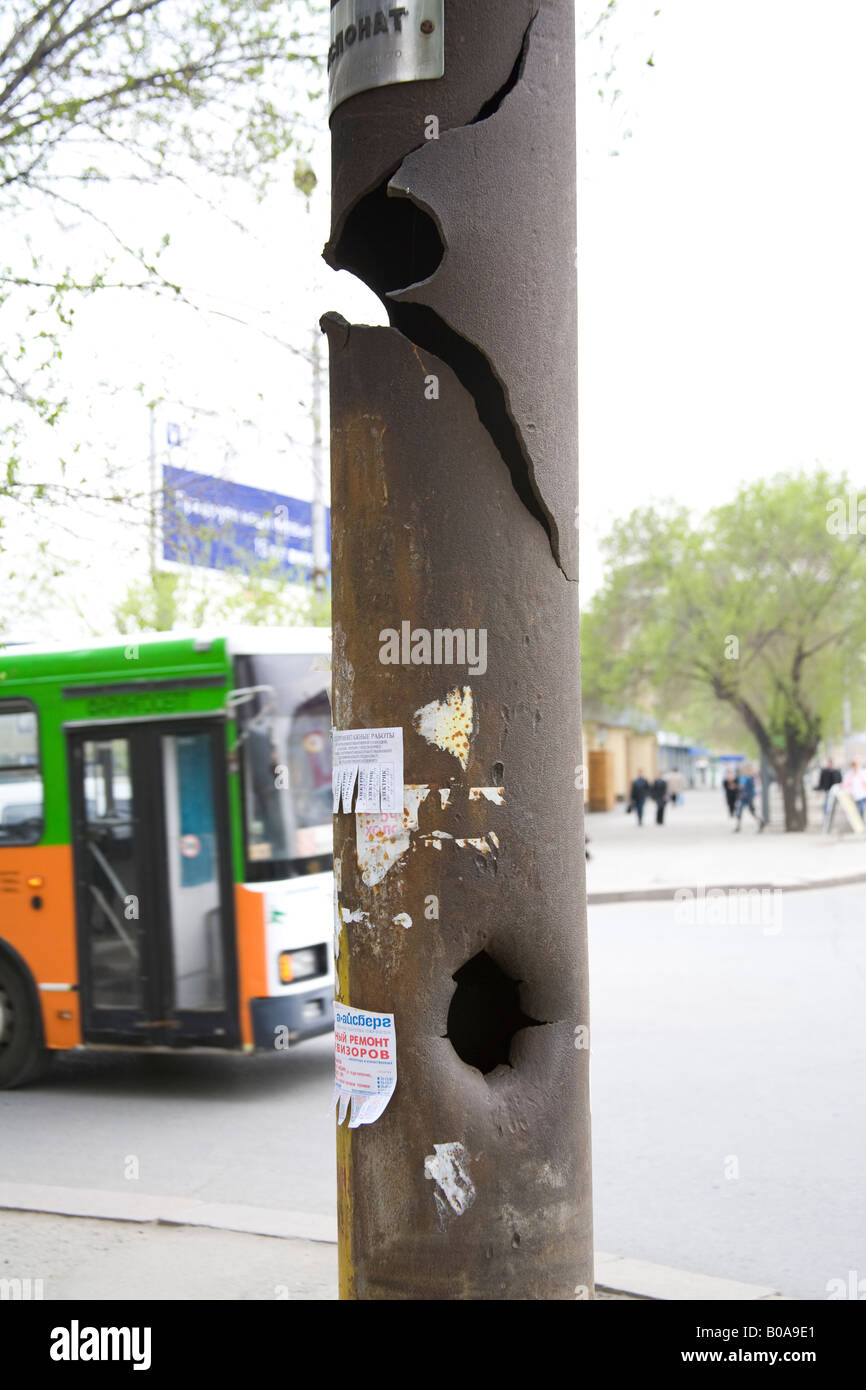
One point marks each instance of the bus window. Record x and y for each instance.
(284, 738)
(21, 794)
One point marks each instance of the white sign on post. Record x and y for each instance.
(373, 758)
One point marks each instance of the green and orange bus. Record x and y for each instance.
(165, 845)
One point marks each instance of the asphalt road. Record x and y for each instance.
(728, 1080)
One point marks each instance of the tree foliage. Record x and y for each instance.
(170, 599)
(763, 606)
(98, 92)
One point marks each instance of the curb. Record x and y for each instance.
(649, 895)
(638, 1279)
(142, 1209)
(614, 1274)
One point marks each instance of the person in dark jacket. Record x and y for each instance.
(747, 799)
(640, 790)
(830, 777)
(732, 790)
(659, 794)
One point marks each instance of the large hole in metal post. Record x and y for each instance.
(485, 1014)
(392, 244)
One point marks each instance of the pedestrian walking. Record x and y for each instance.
(854, 783)
(746, 799)
(675, 783)
(640, 790)
(829, 778)
(732, 791)
(659, 794)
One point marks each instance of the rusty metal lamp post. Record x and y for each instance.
(454, 514)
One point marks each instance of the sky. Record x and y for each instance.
(722, 280)
(722, 289)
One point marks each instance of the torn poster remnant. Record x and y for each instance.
(380, 840)
(365, 1063)
(448, 1166)
(448, 723)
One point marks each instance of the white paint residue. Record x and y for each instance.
(412, 798)
(402, 920)
(356, 916)
(380, 840)
(436, 837)
(479, 843)
(448, 1166)
(494, 794)
(448, 723)
(338, 882)
(444, 796)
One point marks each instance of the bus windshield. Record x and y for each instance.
(284, 723)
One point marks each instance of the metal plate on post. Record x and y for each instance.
(376, 47)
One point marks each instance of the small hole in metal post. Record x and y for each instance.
(427, 26)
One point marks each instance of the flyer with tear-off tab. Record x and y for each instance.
(373, 758)
(365, 1063)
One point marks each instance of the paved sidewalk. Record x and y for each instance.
(165, 1248)
(697, 847)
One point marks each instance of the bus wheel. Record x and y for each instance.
(22, 1056)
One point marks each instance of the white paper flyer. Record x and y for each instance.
(365, 1063)
(373, 758)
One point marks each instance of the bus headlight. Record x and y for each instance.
(298, 965)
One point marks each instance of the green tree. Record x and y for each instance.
(763, 606)
(97, 92)
(174, 599)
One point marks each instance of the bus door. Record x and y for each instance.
(156, 935)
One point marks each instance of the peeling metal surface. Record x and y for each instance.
(448, 723)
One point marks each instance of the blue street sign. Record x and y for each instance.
(228, 526)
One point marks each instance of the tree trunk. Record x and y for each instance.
(790, 778)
